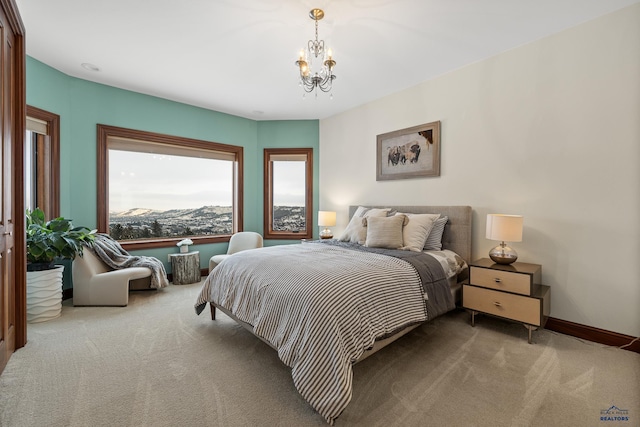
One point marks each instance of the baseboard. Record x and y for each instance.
(590, 333)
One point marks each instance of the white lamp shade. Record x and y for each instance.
(326, 218)
(506, 228)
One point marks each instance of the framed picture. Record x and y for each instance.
(409, 153)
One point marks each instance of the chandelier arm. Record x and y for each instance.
(307, 85)
(326, 84)
(317, 81)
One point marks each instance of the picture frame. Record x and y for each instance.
(409, 153)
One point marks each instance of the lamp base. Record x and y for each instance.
(326, 234)
(503, 254)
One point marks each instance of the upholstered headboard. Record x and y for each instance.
(457, 232)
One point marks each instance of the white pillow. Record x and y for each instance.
(434, 241)
(416, 231)
(353, 231)
(385, 232)
(356, 231)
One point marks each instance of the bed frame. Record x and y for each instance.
(456, 237)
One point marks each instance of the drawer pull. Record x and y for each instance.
(498, 280)
(497, 304)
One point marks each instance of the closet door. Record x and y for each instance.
(12, 118)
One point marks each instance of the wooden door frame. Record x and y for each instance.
(18, 115)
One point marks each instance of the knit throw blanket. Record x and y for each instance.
(112, 254)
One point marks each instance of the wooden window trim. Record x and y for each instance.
(104, 132)
(51, 163)
(269, 233)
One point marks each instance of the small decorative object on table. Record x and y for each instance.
(184, 245)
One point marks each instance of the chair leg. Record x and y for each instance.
(213, 311)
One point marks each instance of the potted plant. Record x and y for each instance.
(47, 242)
(52, 240)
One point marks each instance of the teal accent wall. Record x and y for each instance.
(82, 105)
(283, 134)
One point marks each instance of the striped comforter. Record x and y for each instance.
(321, 306)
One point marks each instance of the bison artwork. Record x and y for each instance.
(402, 153)
(409, 153)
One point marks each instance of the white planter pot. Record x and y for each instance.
(44, 294)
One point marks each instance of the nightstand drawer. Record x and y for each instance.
(501, 280)
(515, 307)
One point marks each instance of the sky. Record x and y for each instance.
(163, 182)
(289, 183)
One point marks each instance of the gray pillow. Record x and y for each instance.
(434, 241)
(385, 232)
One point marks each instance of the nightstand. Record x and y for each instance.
(511, 291)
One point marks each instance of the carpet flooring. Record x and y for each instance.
(155, 363)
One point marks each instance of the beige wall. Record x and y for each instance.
(549, 130)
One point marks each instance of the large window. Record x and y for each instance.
(288, 183)
(154, 189)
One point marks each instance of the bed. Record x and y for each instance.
(325, 305)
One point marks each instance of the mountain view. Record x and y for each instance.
(140, 223)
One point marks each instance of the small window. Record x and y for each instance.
(154, 190)
(42, 162)
(288, 179)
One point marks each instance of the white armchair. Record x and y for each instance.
(240, 241)
(95, 284)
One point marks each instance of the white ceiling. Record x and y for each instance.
(237, 56)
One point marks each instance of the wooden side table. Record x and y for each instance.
(512, 292)
(185, 268)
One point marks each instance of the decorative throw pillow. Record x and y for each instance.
(416, 230)
(385, 232)
(352, 232)
(356, 231)
(434, 241)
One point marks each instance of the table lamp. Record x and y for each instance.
(326, 219)
(504, 228)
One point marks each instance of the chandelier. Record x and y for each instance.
(322, 77)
